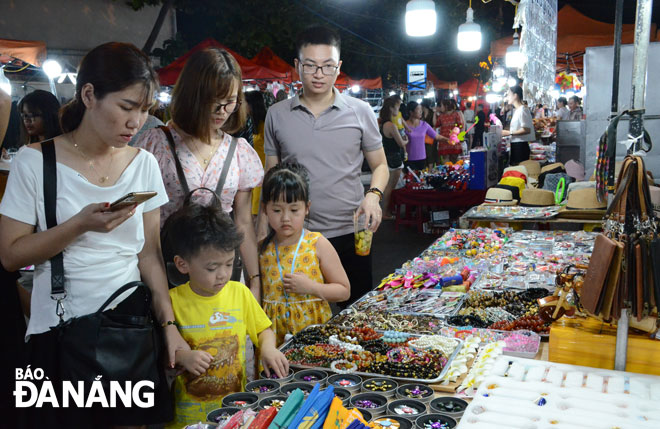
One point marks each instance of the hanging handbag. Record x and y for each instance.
(174, 277)
(117, 345)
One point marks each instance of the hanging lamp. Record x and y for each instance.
(514, 58)
(421, 19)
(469, 33)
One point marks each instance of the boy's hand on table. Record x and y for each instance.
(274, 360)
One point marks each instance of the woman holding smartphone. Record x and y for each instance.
(207, 107)
(103, 249)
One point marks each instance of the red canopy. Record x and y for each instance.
(251, 70)
(469, 88)
(440, 84)
(267, 58)
(30, 51)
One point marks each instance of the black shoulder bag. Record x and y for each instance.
(174, 277)
(120, 344)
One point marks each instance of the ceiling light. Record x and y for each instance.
(52, 69)
(493, 98)
(355, 89)
(469, 33)
(514, 58)
(512, 82)
(421, 19)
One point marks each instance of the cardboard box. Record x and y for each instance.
(590, 342)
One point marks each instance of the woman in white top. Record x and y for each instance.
(103, 250)
(521, 129)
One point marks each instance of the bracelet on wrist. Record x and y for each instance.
(252, 277)
(375, 191)
(168, 323)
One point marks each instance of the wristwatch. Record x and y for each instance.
(375, 191)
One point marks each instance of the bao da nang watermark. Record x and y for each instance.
(79, 394)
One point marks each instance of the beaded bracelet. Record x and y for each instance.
(343, 366)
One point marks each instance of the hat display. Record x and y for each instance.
(581, 185)
(575, 170)
(552, 167)
(533, 168)
(537, 198)
(518, 168)
(515, 191)
(499, 197)
(583, 204)
(514, 181)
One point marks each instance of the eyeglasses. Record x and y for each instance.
(312, 69)
(230, 107)
(30, 116)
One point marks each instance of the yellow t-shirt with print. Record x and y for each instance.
(398, 121)
(218, 325)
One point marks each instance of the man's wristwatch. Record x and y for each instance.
(375, 191)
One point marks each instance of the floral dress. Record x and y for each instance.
(294, 312)
(446, 122)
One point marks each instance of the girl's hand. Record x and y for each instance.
(98, 218)
(298, 283)
(271, 358)
(195, 362)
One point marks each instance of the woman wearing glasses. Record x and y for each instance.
(207, 106)
(39, 117)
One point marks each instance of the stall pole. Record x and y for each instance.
(636, 130)
(618, 28)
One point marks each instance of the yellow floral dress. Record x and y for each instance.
(292, 314)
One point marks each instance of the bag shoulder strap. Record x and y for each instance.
(50, 203)
(226, 165)
(177, 163)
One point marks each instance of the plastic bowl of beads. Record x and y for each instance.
(311, 376)
(383, 386)
(435, 421)
(366, 415)
(276, 401)
(391, 422)
(274, 376)
(305, 387)
(263, 388)
(240, 400)
(221, 415)
(343, 394)
(372, 402)
(415, 391)
(349, 382)
(407, 408)
(452, 407)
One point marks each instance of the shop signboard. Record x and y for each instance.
(416, 77)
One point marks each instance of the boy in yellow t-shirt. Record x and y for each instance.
(213, 314)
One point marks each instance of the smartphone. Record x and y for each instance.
(131, 199)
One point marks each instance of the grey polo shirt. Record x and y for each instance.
(331, 148)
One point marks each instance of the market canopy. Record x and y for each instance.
(169, 74)
(440, 84)
(30, 51)
(267, 58)
(576, 32)
(470, 87)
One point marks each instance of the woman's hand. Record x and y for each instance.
(273, 359)
(195, 362)
(173, 341)
(506, 133)
(98, 218)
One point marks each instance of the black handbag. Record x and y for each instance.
(120, 344)
(173, 276)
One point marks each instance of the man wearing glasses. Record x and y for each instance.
(330, 134)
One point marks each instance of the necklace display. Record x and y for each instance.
(102, 179)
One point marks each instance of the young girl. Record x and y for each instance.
(300, 270)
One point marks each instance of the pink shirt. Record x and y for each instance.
(245, 173)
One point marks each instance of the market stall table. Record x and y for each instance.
(415, 200)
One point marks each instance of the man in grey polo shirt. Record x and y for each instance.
(330, 134)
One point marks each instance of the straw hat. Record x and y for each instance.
(551, 167)
(537, 198)
(533, 168)
(583, 204)
(499, 197)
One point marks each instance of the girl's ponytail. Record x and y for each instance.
(71, 114)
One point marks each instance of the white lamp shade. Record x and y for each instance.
(52, 69)
(514, 58)
(511, 82)
(355, 89)
(469, 34)
(5, 85)
(493, 98)
(498, 71)
(421, 19)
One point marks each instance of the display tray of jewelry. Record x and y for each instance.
(363, 351)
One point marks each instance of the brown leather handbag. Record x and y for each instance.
(623, 270)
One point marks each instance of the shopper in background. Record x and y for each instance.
(469, 116)
(448, 119)
(301, 271)
(330, 134)
(539, 113)
(103, 250)
(521, 129)
(207, 106)
(431, 146)
(575, 108)
(39, 116)
(562, 113)
(257, 113)
(480, 127)
(395, 148)
(419, 130)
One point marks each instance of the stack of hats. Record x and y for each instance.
(582, 202)
(533, 171)
(497, 196)
(537, 198)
